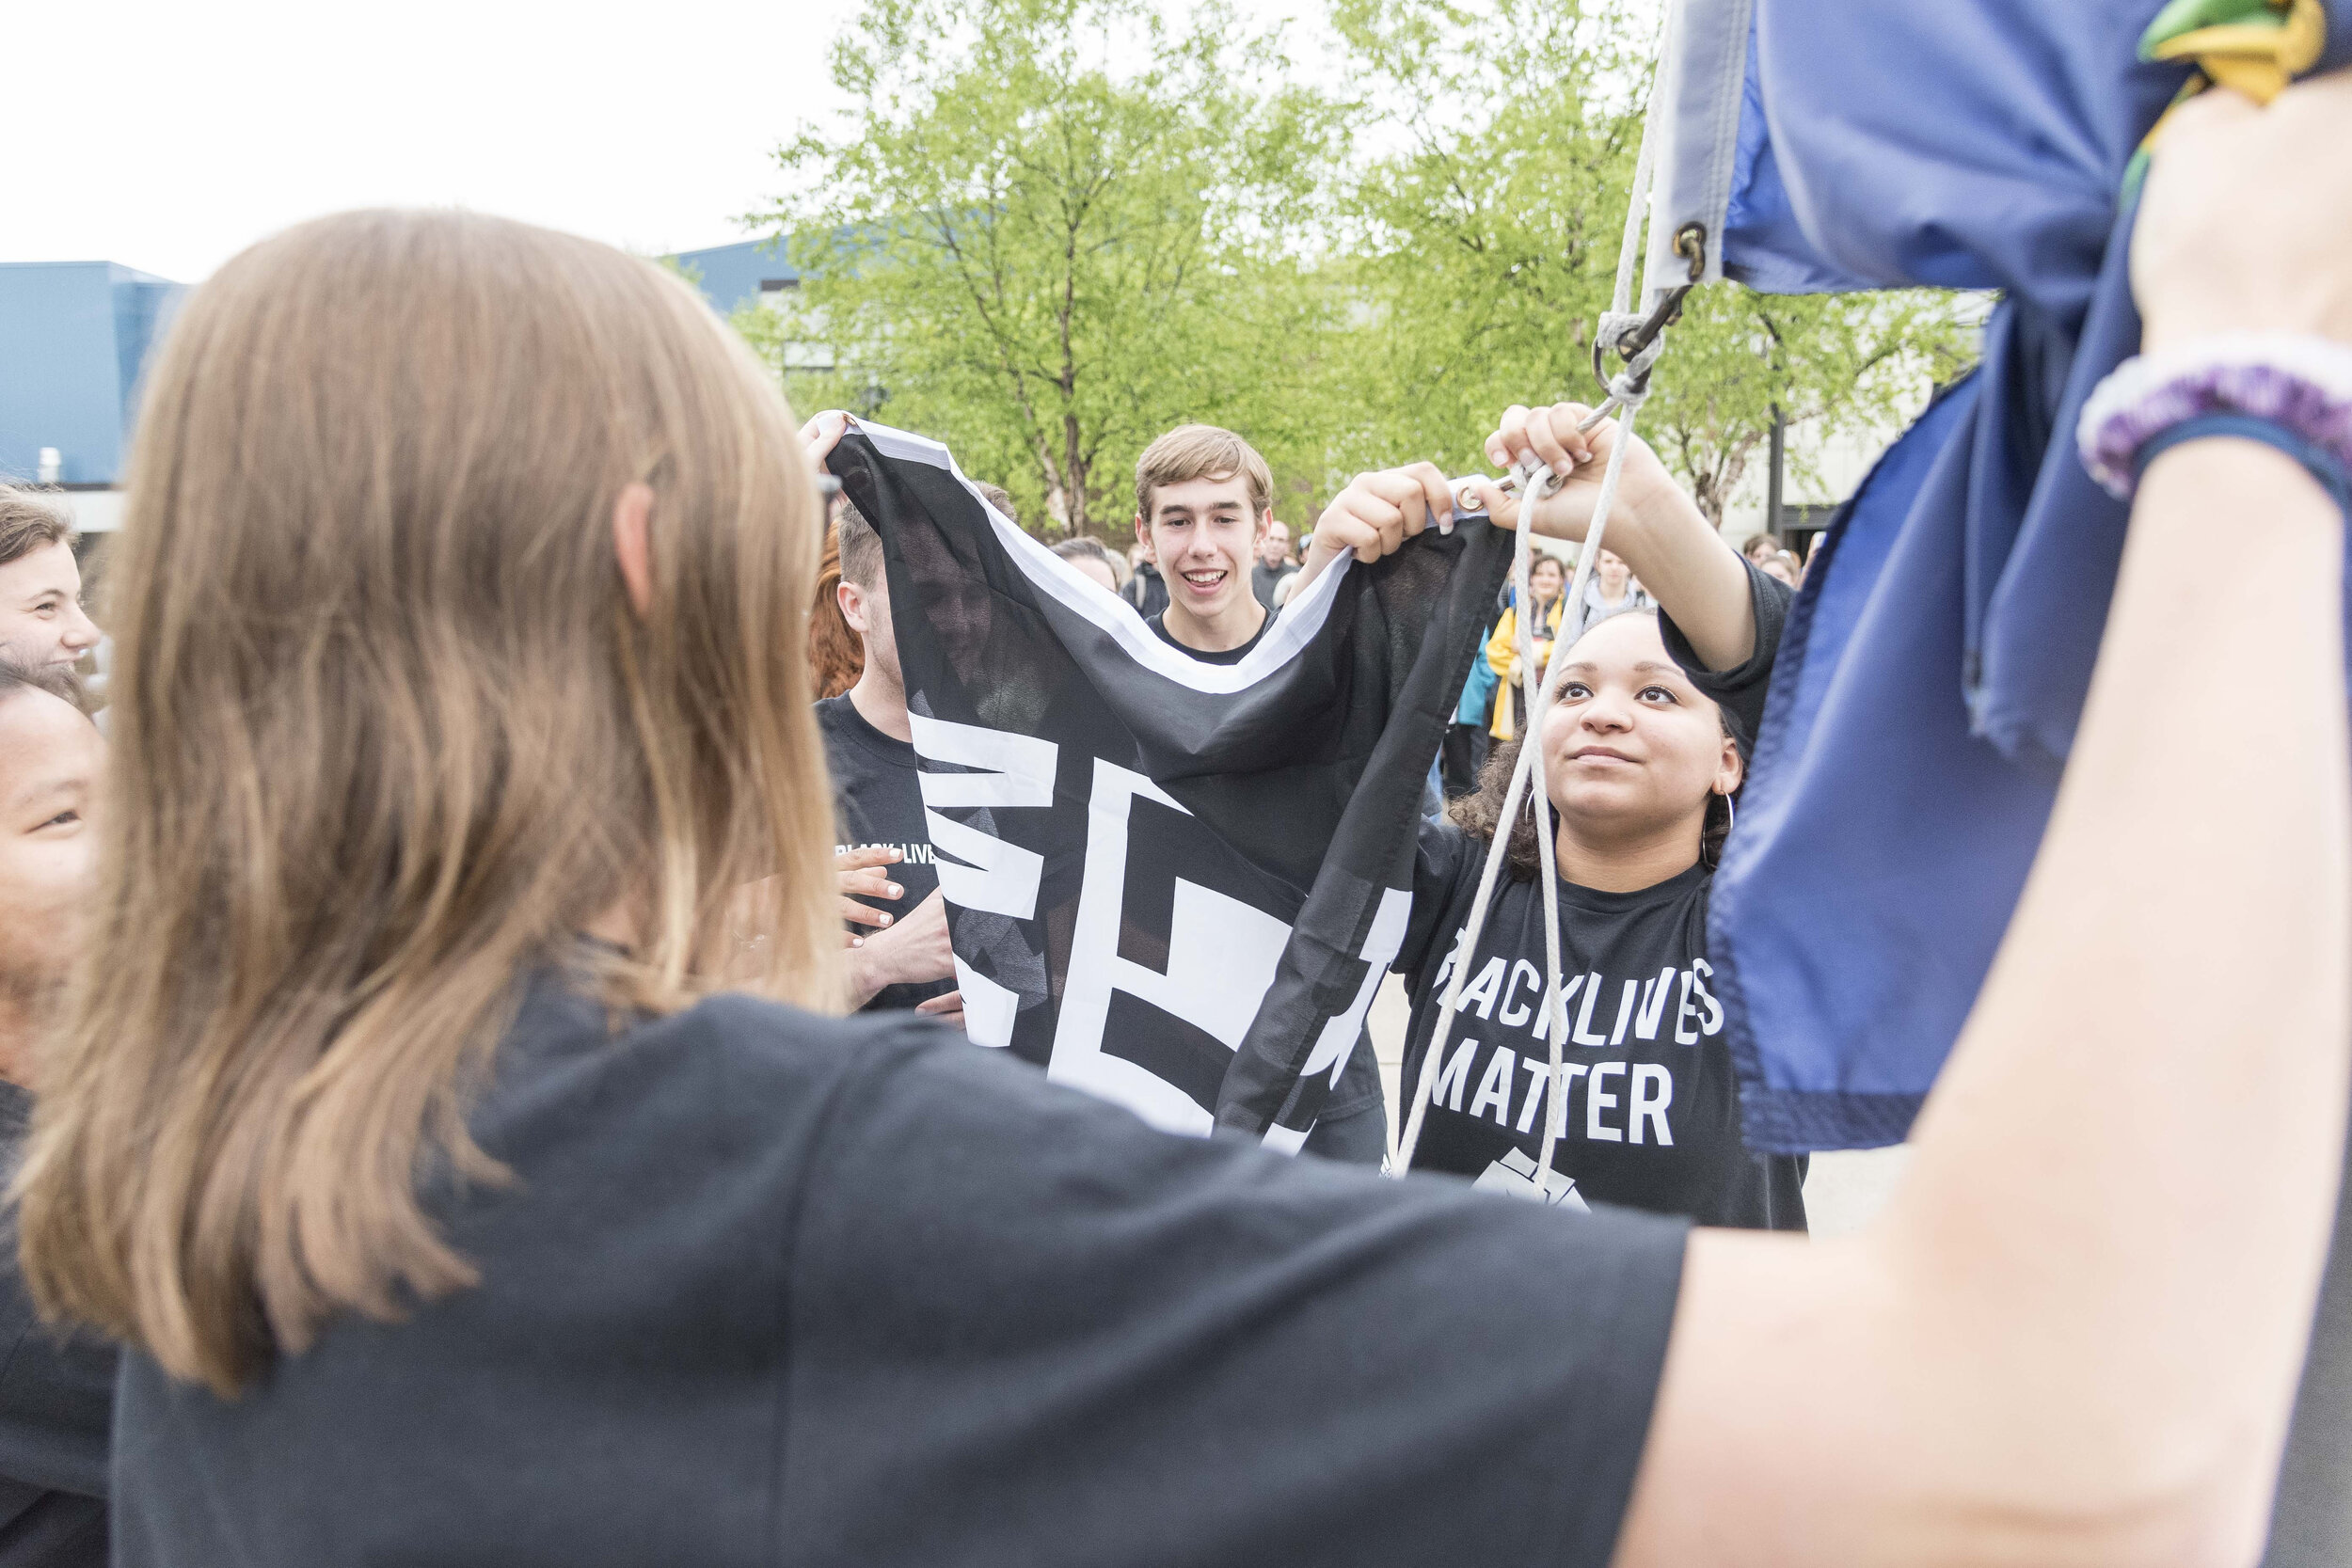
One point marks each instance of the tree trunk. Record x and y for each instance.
(1081, 520)
(1057, 493)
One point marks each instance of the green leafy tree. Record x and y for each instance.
(1853, 363)
(1487, 238)
(1055, 228)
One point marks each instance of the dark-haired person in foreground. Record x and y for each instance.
(1645, 746)
(462, 1223)
(57, 1391)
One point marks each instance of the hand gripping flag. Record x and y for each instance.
(1173, 883)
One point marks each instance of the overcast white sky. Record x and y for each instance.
(169, 136)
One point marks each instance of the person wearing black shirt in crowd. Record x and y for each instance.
(57, 1391)
(1146, 589)
(476, 1221)
(884, 850)
(1273, 564)
(1643, 747)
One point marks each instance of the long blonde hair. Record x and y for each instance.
(388, 736)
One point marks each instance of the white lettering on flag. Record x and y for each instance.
(1221, 956)
(1018, 770)
(1338, 1038)
(989, 1008)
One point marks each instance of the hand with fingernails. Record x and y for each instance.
(861, 877)
(1379, 512)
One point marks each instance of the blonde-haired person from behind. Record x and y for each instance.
(517, 549)
(462, 692)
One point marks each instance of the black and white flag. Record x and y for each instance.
(1173, 883)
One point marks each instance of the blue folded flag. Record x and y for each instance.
(1936, 662)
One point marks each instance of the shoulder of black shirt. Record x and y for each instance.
(690, 1173)
(1224, 655)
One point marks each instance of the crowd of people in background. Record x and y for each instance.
(57, 1397)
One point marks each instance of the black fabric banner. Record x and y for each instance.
(1173, 883)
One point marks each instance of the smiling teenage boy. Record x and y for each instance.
(1203, 508)
(1203, 501)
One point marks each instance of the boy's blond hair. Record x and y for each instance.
(1192, 451)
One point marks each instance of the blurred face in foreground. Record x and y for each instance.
(50, 755)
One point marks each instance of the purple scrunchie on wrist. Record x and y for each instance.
(2302, 383)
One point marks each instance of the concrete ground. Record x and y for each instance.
(1841, 1190)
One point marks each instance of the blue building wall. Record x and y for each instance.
(730, 275)
(74, 337)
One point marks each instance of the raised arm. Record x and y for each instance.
(1659, 531)
(2073, 1336)
(1662, 536)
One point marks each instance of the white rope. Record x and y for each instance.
(1627, 390)
(1629, 399)
(1621, 296)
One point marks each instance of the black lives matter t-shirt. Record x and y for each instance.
(57, 1407)
(1653, 1109)
(878, 800)
(771, 1288)
(1651, 1097)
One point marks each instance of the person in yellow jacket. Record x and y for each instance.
(1547, 579)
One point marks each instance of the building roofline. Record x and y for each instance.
(140, 274)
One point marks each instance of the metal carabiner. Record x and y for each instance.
(1691, 245)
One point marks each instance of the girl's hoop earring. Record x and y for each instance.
(1731, 815)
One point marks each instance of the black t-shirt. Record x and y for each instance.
(877, 800)
(775, 1288)
(1228, 656)
(57, 1408)
(1146, 590)
(1264, 579)
(1653, 1109)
